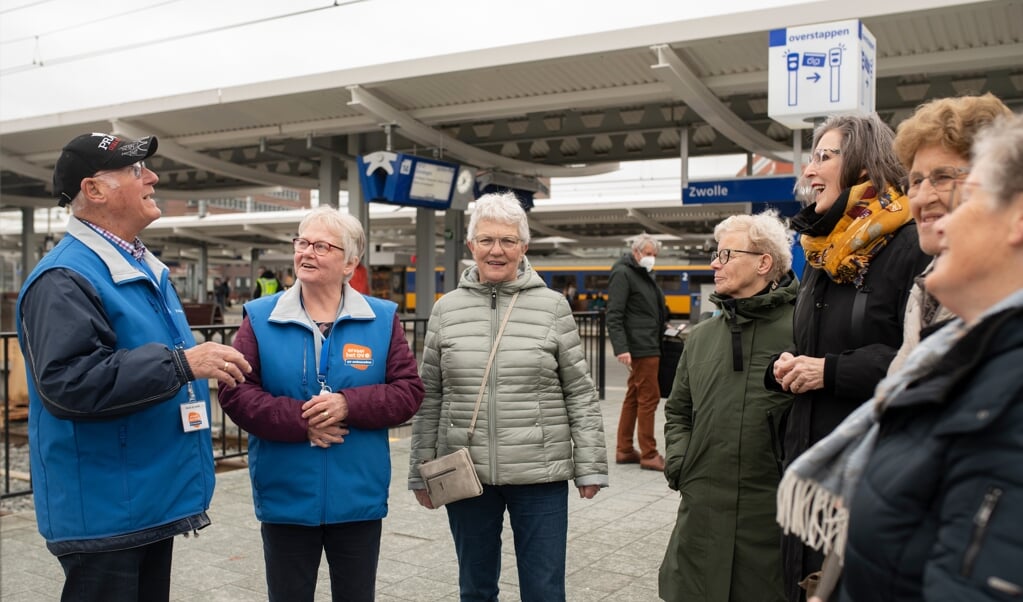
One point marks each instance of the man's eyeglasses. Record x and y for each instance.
(136, 169)
(507, 243)
(724, 255)
(822, 155)
(320, 247)
(941, 179)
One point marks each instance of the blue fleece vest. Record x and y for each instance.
(296, 483)
(94, 480)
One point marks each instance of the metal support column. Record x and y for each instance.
(202, 272)
(426, 262)
(253, 269)
(330, 179)
(29, 255)
(356, 206)
(683, 154)
(454, 247)
(797, 152)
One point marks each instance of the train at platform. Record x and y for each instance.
(681, 284)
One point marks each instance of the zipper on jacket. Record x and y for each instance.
(981, 520)
(491, 392)
(194, 524)
(771, 428)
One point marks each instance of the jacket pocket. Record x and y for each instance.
(674, 477)
(981, 520)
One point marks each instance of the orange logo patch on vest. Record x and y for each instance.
(359, 357)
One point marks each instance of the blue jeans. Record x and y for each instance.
(292, 555)
(539, 521)
(133, 575)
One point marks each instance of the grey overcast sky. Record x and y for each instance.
(59, 56)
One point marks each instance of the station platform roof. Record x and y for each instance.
(529, 88)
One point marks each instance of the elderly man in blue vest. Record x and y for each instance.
(119, 439)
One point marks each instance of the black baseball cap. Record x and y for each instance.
(89, 154)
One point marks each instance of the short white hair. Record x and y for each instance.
(345, 226)
(500, 207)
(767, 233)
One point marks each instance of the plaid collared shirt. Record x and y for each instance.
(136, 248)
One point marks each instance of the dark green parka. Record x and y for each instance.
(723, 453)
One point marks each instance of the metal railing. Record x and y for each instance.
(230, 441)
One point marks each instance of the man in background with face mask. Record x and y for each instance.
(636, 315)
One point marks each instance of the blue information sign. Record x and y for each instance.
(740, 190)
(401, 179)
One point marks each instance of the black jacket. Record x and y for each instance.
(937, 513)
(857, 331)
(635, 309)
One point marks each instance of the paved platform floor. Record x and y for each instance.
(615, 541)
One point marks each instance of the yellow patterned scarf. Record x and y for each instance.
(869, 222)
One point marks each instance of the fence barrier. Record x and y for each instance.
(229, 441)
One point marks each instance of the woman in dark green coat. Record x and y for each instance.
(721, 429)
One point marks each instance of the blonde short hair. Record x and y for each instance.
(767, 233)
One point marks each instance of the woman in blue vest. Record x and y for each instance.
(331, 371)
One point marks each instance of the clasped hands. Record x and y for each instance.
(799, 373)
(326, 414)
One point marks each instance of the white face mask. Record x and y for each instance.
(648, 261)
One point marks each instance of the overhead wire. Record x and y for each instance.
(183, 36)
(77, 25)
(23, 6)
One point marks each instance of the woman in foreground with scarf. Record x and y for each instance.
(917, 492)
(862, 255)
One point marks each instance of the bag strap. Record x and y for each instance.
(490, 362)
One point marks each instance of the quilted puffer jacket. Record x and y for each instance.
(539, 420)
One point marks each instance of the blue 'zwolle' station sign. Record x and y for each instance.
(740, 190)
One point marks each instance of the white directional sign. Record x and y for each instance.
(820, 70)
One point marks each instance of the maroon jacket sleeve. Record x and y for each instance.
(270, 417)
(397, 400)
(279, 418)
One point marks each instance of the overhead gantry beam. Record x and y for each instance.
(18, 200)
(172, 150)
(653, 224)
(672, 70)
(417, 131)
(30, 170)
(267, 232)
(203, 237)
(586, 241)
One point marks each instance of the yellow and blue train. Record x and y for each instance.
(680, 283)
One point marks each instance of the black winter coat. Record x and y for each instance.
(635, 309)
(857, 331)
(936, 515)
